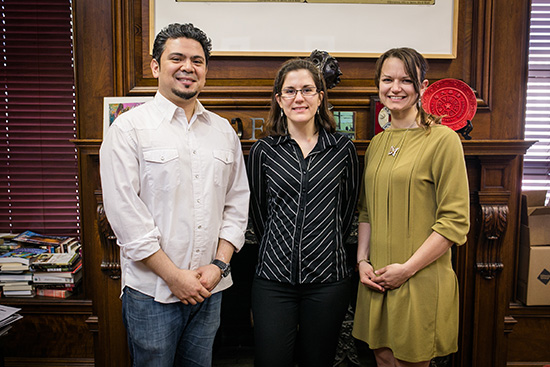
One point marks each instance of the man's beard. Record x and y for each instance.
(185, 95)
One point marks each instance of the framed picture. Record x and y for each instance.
(114, 106)
(345, 123)
(379, 115)
(344, 28)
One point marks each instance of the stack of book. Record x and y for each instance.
(15, 275)
(40, 265)
(57, 274)
(52, 244)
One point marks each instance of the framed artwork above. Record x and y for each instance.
(344, 28)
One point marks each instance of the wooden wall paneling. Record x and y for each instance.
(481, 40)
(492, 166)
(508, 73)
(112, 44)
(528, 345)
(98, 64)
(93, 37)
(494, 216)
(110, 342)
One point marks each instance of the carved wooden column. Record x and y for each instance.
(494, 217)
(494, 196)
(110, 264)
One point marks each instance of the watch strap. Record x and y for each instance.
(224, 267)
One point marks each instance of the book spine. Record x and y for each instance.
(61, 286)
(56, 293)
(46, 279)
(52, 269)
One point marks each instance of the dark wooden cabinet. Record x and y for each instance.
(52, 332)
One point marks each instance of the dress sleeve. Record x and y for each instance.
(258, 189)
(362, 204)
(451, 189)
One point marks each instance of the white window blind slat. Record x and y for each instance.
(536, 166)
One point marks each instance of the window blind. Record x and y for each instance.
(537, 118)
(38, 161)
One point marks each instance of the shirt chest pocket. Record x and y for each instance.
(223, 163)
(162, 168)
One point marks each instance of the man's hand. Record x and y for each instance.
(210, 276)
(187, 286)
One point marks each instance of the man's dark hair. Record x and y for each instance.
(176, 30)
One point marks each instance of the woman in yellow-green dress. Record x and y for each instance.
(414, 206)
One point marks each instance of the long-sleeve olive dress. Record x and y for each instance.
(415, 183)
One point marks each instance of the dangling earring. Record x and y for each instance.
(282, 113)
(317, 110)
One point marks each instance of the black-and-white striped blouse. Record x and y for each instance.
(302, 208)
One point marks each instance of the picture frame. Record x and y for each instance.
(345, 123)
(114, 106)
(254, 28)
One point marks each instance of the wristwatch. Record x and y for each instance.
(225, 268)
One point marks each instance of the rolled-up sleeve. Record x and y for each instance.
(451, 187)
(235, 213)
(127, 214)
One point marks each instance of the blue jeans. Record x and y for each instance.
(173, 334)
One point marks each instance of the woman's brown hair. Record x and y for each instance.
(416, 67)
(276, 123)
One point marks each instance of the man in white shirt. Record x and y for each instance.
(175, 192)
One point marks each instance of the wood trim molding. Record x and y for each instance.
(482, 51)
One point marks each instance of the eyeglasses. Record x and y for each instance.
(290, 93)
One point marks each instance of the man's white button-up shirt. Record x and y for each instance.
(173, 184)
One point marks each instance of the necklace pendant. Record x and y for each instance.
(393, 151)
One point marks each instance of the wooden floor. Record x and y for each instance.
(244, 357)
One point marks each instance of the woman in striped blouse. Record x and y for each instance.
(304, 182)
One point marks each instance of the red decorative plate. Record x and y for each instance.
(451, 99)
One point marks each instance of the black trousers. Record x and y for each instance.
(299, 322)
